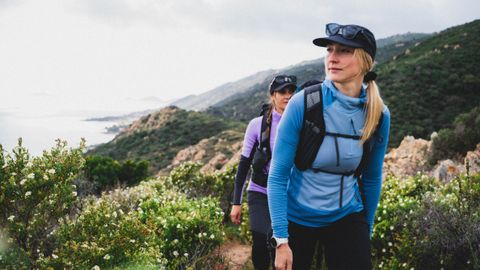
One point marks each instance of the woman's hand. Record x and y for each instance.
(236, 214)
(283, 257)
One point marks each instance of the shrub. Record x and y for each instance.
(188, 179)
(457, 141)
(145, 226)
(104, 172)
(423, 224)
(35, 193)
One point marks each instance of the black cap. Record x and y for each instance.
(350, 35)
(281, 81)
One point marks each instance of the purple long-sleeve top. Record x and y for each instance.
(250, 141)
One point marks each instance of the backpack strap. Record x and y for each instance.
(264, 143)
(313, 129)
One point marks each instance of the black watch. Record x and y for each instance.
(275, 242)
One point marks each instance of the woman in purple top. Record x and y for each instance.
(256, 152)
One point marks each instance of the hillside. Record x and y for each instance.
(431, 83)
(209, 98)
(245, 105)
(158, 136)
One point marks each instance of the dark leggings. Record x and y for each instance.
(345, 243)
(260, 226)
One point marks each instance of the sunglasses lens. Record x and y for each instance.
(350, 32)
(285, 79)
(332, 29)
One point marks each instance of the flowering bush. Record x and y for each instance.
(186, 229)
(188, 179)
(146, 224)
(422, 224)
(35, 194)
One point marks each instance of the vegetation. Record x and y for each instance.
(429, 85)
(160, 136)
(457, 141)
(423, 224)
(176, 222)
(152, 225)
(35, 194)
(100, 173)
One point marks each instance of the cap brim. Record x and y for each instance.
(281, 86)
(323, 42)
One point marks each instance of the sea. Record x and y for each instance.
(39, 129)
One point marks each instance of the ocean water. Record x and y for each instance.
(40, 127)
(39, 133)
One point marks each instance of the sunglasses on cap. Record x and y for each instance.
(347, 31)
(284, 79)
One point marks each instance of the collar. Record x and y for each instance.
(347, 100)
(276, 115)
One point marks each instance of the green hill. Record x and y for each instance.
(431, 83)
(158, 136)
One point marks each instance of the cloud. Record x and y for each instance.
(283, 20)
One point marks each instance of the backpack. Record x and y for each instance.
(263, 153)
(313, 132)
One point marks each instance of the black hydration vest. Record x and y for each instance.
(263, 153)
(313, 132)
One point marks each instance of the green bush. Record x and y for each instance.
(144, 226)
(35, 194)
(422, 224)
(457, 141)
(188, 179)
(104, 172)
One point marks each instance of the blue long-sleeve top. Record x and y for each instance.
(312, 197)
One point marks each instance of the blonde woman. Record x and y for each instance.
(326, 172)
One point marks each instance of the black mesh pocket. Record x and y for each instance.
(260, 178)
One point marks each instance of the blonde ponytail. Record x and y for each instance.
(374, 106)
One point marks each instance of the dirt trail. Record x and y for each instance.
(236, 254)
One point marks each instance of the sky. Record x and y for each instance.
(107, 55)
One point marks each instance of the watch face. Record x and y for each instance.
(273, 242)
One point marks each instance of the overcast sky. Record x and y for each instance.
(93, 53)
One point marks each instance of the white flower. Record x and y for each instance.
(175, 253)
(132, 241)
(106, 257)
(23, 182)
(200, 235)
(391, 228)
(11, 218)
(96, 267)
(31, 176)
(185, 254)
(28, 193)
(212, 236)
(54, 256)
(51, 171)
(74, 193)
(175, 241)
(389, 244)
